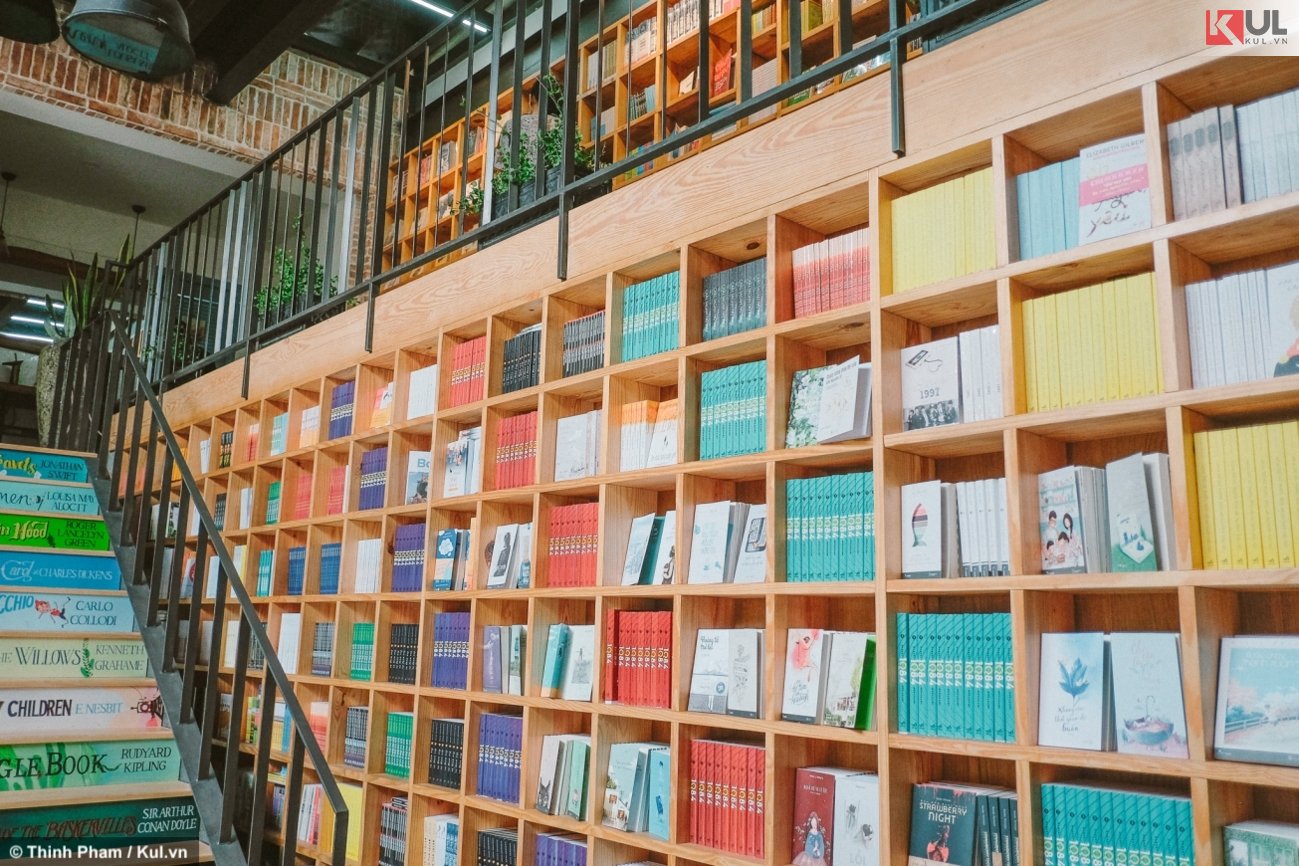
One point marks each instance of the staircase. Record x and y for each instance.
(86, 754)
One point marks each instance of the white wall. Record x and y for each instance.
(64, 229)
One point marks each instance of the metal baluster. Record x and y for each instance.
(210, 690)
(173, 590)
(129, 505)
(155, 566)
(192, 638)
(292, 801)
(119, 441)
(237, 689)
(261, 769)
(142, 524)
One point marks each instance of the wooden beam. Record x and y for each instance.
(265, 33)
(200, 14)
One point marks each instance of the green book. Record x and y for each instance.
(579, 752)
(552, 671)
(362, 650)
(47, 531)
(866, 701)
(273, 503)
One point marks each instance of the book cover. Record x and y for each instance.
(552, 671)
(844, 407)
(503, 553)
(1071, 701)
(1132, 531)
(751, 562)
(1257, 715)
(663, 438)
(1059, 516)
(804, 675)
(419, 465)
(922, 529)
(579, 757)
(814, 790)
(943, 823)
(579, 664)
(638, 544)
(710, 679)
(804, 407)
(744, 695)
(659, 799)
(846, 664)
(1113, 189)
(546, 775)
(931, 385)
(491, 660)
(1149, 713)
(619, 784)
(665, 560)
(710, 542)
(857, 820)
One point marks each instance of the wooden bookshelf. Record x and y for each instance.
(1200, 605)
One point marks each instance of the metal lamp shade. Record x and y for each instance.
(30, 21)
(148, 39)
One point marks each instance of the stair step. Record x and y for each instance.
(56, 612)
(82, 656)
(40, 738)
(46, 531)
(48, 497)
(87, 763)
(138, 792)
(28, 568)
(28, 461)
(125, 708)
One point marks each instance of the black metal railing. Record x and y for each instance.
(105, 405)
(327, 221)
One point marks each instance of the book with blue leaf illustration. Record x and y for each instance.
(1071, 703)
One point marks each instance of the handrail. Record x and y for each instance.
(102, 396)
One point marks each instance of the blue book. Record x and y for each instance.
(297, 570)
(32, 569)
(15, 463)
(660, 793)
(491, 659)
(331, 558)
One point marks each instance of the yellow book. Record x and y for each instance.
(1249, 498)
(1090, 362)
(1150, 379)
(942, 202)
(1227, 491)
(1066, 327)
(1263, 485)
(1096, 324)
(1129, 333)
(986, 240)
(1108, 321)
(1290, 451)
(1285, 538)
(901, 232)
(1049, 351)
(353, 798)
(1028, 362)
(1207, 504)
(969, 228)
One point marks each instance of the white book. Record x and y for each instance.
(286, 646)
(504, 549)
(455, 474)
(968, 355)
(665, 561)
(1132, 531)
(751, 561)
(1003, 526)
(548, 774)
(230, 649)
(573, 450)
(931, 384)
(638, 542)
(991, 360)
(1283, 307)
(419, 467)
(711, 675)
(662, 449)
(744, 696)
(1149, 712)
(521, 563)
(844, 407)
(1071, 695)
(710, 543)
(579, 664)
(245, 508)
(846, 659)
(1113, 189)
(214, 571)
(969, 543)
(204, 456)
(805, 672)
(1160, 486)
(922, 529)
(857, 820)
(423, 397)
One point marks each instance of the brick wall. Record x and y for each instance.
(283, 99)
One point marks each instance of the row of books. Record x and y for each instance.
(521, 360)
(451, 560)
(952, 380)
(727, 678)
(468, 371)
(462, 471)
(336, 499)
(735, 299)
(322, 649)
(955, 530)
(943, 231)
(1244, 327)
(562, 775)
(836, 816)
(403, 653)
(498, 847)
(1248, 486)
(568, 670)
(500, 750)
(832, 273)
(726, 796)
(374, 478)
(733, 410)
(572, 549)
(728, 543)
(392, 832)
(638, 658)
(1095, 343)
(650, 317)
(648, 434)
(504, 660)
(361, 664)
(398, 743)
(408, 557)
(969, 825)
(367, 572)
(602, 65)
(516, 451)
(955, 676)
(1101, 520)
(642, 102)
(510, 557)
(830, 528)
(830, 404)
(451, 649)
(638, 789)
(265, 572)
(1118, 692)
(1149, 826)
(651, 550)
(422, 399)
(446, 752)
(583, 344)
(642, 39)
(441, 840)
(1260, 843)
(1047, 203)
(342, 402)
(356, 735)
(561, 849)
(829, 678)
(577, 445)
(381, 411)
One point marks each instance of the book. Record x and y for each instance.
(644, 531)
(578, 676)
(751, 558)
(1073, 708)
(746, 673)
(422, 399)
(943, 824)
(1113, 189)
(419, 466)
(716, 540)
(552, 673)
(710, 679)
(577, 445)
(1132, 530)
(1149, 710)
(1257, 700)
(857, 820)
(805, 676)
(849, 681)
(931, 390)
(1260, 843)
(662, 449)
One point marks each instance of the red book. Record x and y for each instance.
(665, 659)
(695, 773)
(758, 787)
(610, 655)
(302, 507)
(813, 814)
(337, 489)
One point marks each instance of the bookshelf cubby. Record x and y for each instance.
(1200, 605)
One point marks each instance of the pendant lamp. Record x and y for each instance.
(148, 39)
(31, 21)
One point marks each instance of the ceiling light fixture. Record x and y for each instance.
(35, 338)
(145, 38)
(447, 13)
(40, 302)
(26, 320)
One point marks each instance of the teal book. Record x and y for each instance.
(273, 503)
(620, 784)
(552, 670)
(579, 756)
(660, 793)
(31, 767)
(903, 671)
(265, 571)
(944, 823)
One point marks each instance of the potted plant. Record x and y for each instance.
(85, 299)
(295, 275)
